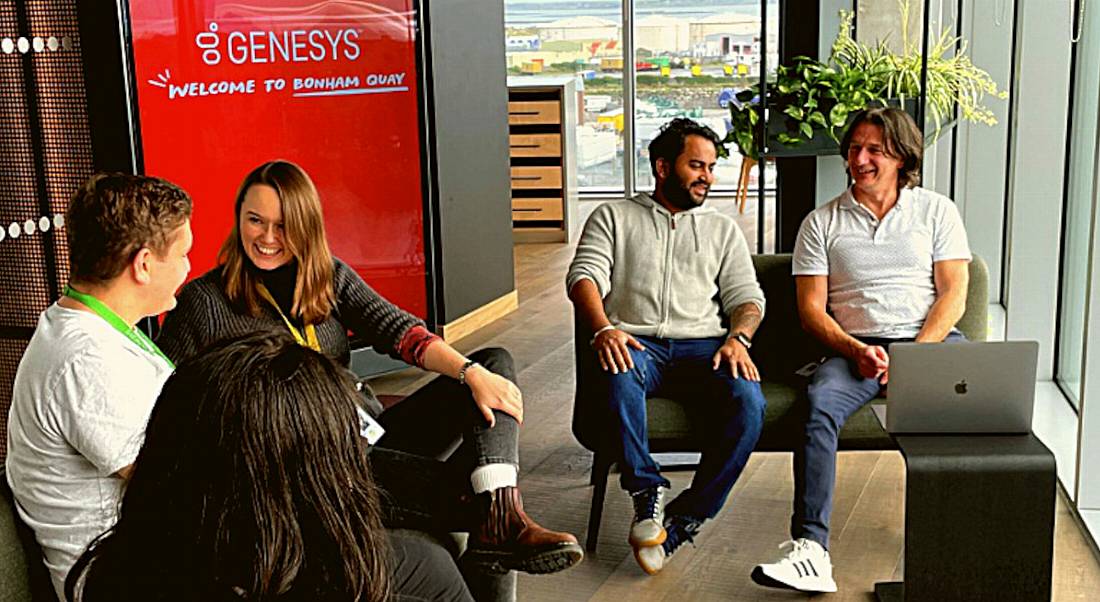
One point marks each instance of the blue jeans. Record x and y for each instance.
(836, 391)
(733, 410)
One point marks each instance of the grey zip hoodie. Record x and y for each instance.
(675, 276)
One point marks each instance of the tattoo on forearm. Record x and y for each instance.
(745, 318)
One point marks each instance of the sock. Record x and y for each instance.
(493, 476)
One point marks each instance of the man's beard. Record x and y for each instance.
(680, 196)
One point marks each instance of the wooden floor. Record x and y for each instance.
(867, 517)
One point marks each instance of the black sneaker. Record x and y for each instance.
(681, 529)
(647, 528)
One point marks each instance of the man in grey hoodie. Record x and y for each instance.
(668, 288)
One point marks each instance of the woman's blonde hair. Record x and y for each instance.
(303, 235)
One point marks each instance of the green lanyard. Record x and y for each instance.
(131, 332)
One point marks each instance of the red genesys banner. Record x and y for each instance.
(224, 86)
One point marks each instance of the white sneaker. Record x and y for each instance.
(805, 566)
(647, 528)
(651, 558)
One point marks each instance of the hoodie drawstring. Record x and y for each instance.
(695, 230)
(655, 214)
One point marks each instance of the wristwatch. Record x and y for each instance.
(741, 338)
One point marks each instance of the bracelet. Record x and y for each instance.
(598, 332)
(462, 371)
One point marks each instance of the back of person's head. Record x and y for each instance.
(303, 234)
(901, 139)
(669, 143)
(113, 216)
(252, 484)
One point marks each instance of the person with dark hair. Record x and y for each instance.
(253, 483)
(276, 271)
(88, 379)
(886, 261)
(667, 287)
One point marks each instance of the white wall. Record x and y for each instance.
(981, 152)
(1037, 154)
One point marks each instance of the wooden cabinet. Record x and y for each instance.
(542, 124)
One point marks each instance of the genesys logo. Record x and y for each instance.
(289, 46)
(325, 48)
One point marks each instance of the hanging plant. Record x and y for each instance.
(813, 98)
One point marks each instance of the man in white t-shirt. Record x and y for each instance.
(88, 379)
(885, 261)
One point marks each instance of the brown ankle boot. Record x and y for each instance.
(507, 539)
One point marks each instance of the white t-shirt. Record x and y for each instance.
(81, 400)
(880, 272)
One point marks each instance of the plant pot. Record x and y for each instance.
(821, 144)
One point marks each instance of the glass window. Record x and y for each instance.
(690, 58)
(1080, 190)
(556, 37)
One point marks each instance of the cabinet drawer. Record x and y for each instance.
(535, 145)
(536, 209)
(524, 176)
(534, 112)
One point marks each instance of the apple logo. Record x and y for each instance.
(960, 387)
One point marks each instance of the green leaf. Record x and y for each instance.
(838, 115)
(806, 130)
(793, 111)
(819, 118)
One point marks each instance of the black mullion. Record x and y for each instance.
(955, 116)
(429, 176)
(1063, 250)
(762, 128)
(922, 114)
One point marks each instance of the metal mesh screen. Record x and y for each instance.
(45, 152)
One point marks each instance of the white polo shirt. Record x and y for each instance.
(880, 271)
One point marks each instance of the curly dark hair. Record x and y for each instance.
(253, 483)
(670, 142)
(113, 216)
(900, 135)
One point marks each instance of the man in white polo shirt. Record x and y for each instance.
(88, 379)
(885, 261)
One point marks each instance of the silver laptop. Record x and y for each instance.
(961, 387)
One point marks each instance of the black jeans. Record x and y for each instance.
(434, 439)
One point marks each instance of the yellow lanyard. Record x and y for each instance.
(310, 339)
